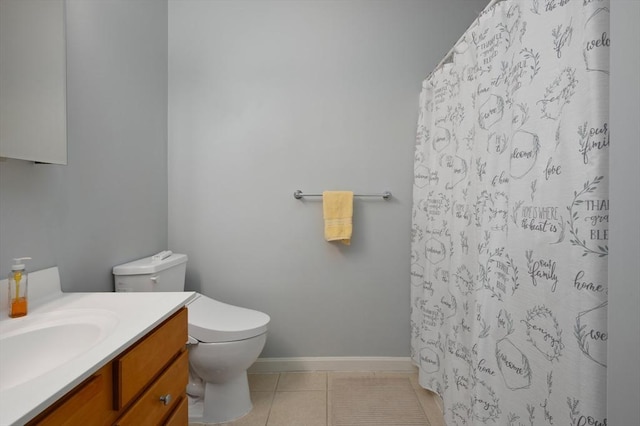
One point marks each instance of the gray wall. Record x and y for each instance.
(623, 379)
(266, 97)
(109, 204)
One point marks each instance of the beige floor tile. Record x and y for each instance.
(414, 381)
(308, 408)
(263, 382)
(423, 393)
(333, 375)
(302, 381)
(383, 399)
(429, 403)
(259, 414)
(395, 374)
(300, 399)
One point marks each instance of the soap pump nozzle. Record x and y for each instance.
(18, 263)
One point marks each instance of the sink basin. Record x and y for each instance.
(36, 344)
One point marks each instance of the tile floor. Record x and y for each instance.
(303, 398)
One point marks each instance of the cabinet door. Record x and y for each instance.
(89, 404)
(33, 123)
(180, 414)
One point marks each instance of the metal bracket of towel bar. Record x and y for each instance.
(298, 195)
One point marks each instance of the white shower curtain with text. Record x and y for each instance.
(510, 219)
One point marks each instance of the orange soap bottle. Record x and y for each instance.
(18, 282)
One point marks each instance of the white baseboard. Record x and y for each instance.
(278, 365)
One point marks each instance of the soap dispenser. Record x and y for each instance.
(18, 281)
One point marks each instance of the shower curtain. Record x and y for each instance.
(510, 219)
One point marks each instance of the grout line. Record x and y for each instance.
(273, 397)
(439, 403)
(424, 409)
(326, 398)
(277, 382)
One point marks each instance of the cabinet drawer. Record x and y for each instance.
(88, 404)
(149, 409)
(137, 367)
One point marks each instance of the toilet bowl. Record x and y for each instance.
(224, 340)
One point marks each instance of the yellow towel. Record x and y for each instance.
(337, 208)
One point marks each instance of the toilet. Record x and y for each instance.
(224, 340)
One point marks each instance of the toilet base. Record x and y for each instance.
(222, 402)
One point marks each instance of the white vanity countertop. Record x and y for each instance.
(137, 314)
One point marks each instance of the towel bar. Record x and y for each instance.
(298, 195)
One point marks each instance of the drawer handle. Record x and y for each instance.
(166, 399)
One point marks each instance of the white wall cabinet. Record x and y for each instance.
(33, 119)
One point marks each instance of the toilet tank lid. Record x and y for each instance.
(149, 265)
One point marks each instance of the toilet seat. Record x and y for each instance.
(211, 321)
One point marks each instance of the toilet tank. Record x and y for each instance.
(151, 274)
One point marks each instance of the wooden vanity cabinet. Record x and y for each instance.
(145, 385)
